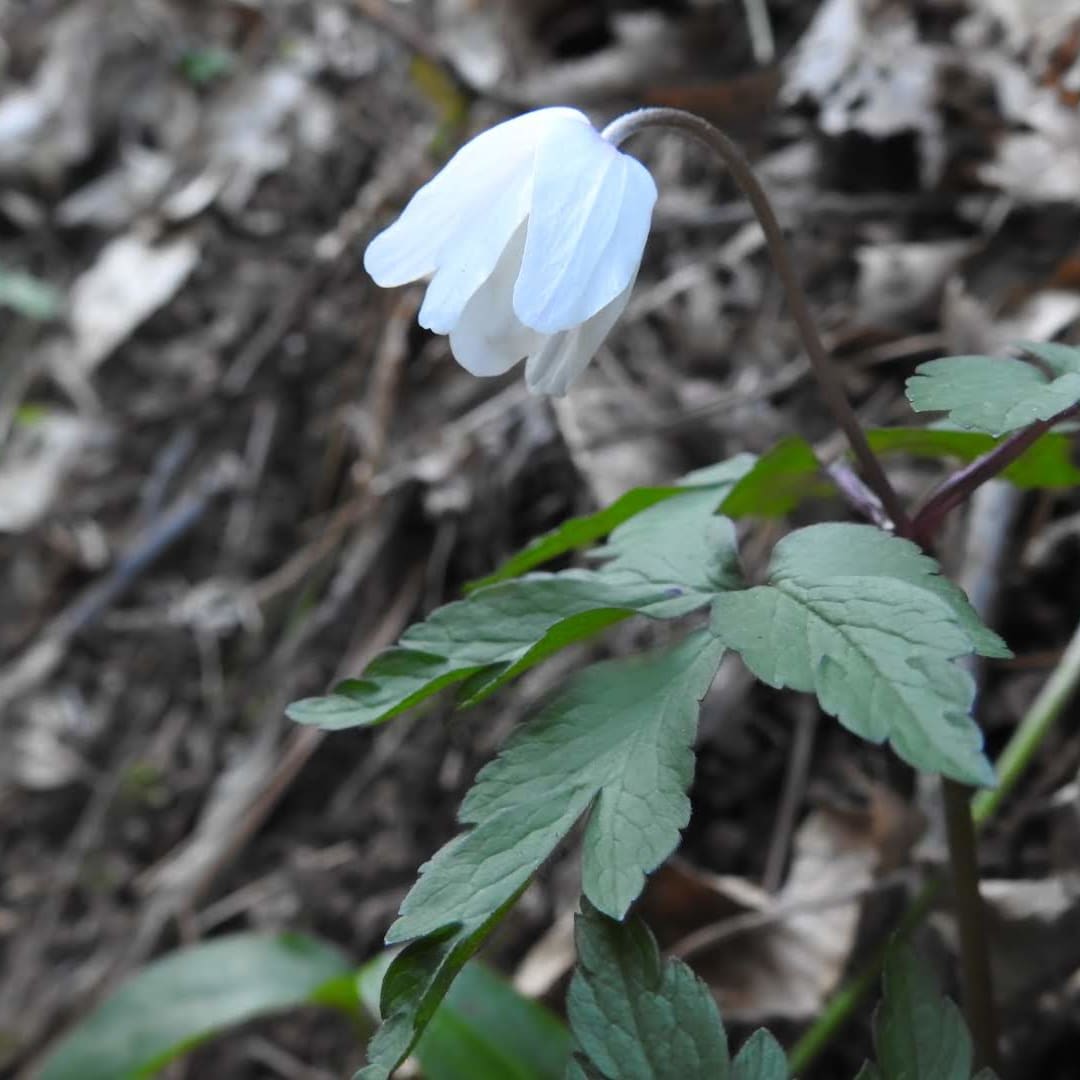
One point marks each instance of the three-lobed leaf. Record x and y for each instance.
(997, 395)
(636, 1017)
(864, 620)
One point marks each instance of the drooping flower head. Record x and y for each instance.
(533, 233)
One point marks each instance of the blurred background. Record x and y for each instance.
(232, 469)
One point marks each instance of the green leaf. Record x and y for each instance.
(864, 621)
(488, 638)
(778, 482)
(1046, 464)
(415, 983)
(486, 1029)
(997, 395)
(635, 1017)
(761, 1058)
(918, 1034)
(664, 562)
(581, 532)
(681, 545)
(617, 740)
(482, 1029)
(188, 996)
(205, 64)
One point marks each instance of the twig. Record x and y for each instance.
(798, 767)
(717, 933)
(761, 34)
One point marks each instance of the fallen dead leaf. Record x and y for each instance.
(130, 280)
(867, 69)
(35, 462)
(1034, 933)
(47, 124)
(774, 956)
(901, 281)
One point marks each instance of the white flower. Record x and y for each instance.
(534, 233)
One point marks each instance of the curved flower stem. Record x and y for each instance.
(621, 129)
(1011, 766)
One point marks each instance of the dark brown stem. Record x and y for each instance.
(956, 490)
(825, 371)
(979, 1006)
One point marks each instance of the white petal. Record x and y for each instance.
(488, 338)
(590, 215)
(472, 253)
(564, 356)
(413, 246)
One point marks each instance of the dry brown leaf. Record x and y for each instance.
(775, 956)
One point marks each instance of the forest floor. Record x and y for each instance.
(233, 470)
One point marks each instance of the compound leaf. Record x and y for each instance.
(664, 562)
(863, 620)
(996, 395)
